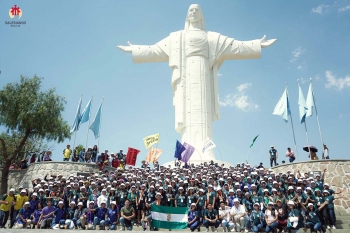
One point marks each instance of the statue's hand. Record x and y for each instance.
(266, 43)
(127, 49)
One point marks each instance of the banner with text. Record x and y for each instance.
(151, 140)
(131, 156)
(208, 144)
(153, 155)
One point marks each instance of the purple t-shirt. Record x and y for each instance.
(48, 210)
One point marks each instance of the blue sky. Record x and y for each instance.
(72, 44)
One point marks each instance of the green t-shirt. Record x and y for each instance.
(202, 200)
(127, 211)
(330, 200)
(210, 214)
(212, 196)
(313, 217)
(180, 200)
(191, 199)
(255, 216)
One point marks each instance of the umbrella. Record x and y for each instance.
(312, 148)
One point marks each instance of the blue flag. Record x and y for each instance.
(282, 107)
(77, 119)
(95, 126)
(309, 101)
(86, 113)
(178, 150)
(302, 106)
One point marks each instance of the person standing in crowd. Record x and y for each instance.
(75, 157)
(271, 218)
(325, 152)
(273, 155)
(290, 155)
(121, 155)
(20, 199)
(5, 206)
(82, 155)
(94, 153)
(66, 153)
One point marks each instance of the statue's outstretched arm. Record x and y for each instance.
(127, 49)
(266, 43)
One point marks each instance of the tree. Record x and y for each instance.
(27, 112)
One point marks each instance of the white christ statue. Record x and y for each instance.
(195, 56)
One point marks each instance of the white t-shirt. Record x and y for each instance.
(225, 212)
(270, 217)
(238, 211)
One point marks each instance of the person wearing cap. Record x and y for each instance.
(23, 218)
(21, 198)
(127, 215)
(193, 218)
(69, 223)
(180, 198)
(79, 216)
(113, 216)
(211, 218)
(239, 215)
(33, 202)
(66, 153)
(256, 218)
(46, 216)
(6, 202)
(290, 155)
(100, 216)
(224, 217)
(87, 220)
(271, 218)
(313, 221)
(329, 199)
(273, 155)
(102, 198)
(60, 217)
(201, 200)
(294, 217)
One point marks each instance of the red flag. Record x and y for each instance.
(131, 156)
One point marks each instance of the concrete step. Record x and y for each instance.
(328, 231)
(342, 226)
(343, 221)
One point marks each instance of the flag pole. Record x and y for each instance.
(318, 121)
(307, 138)
(155, 152)
(75, 133)
(87, 133)
(246, 158)
(99, 127)
(291, 121)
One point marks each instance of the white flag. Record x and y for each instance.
(208, 144)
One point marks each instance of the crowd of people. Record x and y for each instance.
(236, 198)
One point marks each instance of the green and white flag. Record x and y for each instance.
(169, 217)
(254, 140)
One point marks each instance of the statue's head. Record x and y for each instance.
(195, 14)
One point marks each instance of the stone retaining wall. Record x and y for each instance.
(337, 176)
(24, 177)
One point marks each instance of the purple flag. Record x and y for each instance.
(186, 155)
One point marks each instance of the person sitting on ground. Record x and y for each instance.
(127, 215)
(211, 218)
(193, 219)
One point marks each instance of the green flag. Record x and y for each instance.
(254, 141)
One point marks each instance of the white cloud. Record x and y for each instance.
(240, 100)
(243, 86)
(319, 9)
(345, 8)
(337, 83)
(219, 74)
(296, 53)
(299, 67)
(340, 116)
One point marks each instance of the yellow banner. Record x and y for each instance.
(150, 140)
(153, 154)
